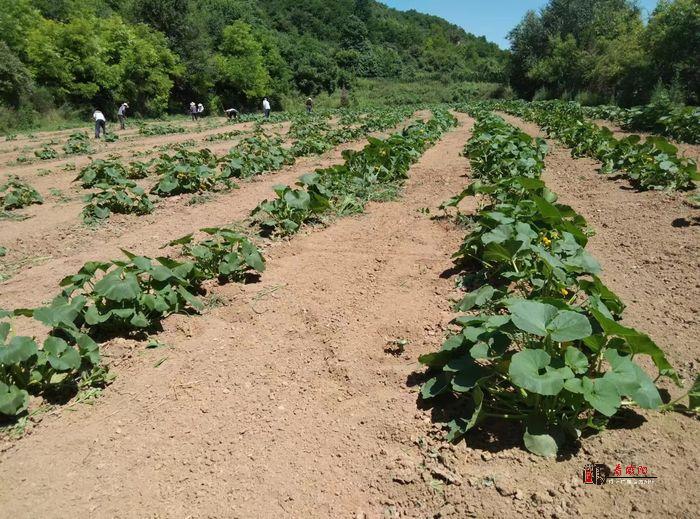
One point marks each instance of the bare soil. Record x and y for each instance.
(289, 397)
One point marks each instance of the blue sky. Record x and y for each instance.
(490, 18)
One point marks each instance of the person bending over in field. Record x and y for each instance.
(121, 114)
(193, 111)
(231, 113)
(200, 110)
(100, 123)
(266, 108)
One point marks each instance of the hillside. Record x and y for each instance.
(160, 54)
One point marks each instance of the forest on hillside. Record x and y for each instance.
(64, 57)
(160, 54)
(604, 51)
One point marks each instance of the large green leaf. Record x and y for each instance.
(528, 369)
(477, 298)
(541, 439)
(460, 426)
(601, 394)
(637, 343)
(114, 288)
(18, 350)
(4, 331)
(435, 386)
(13, 400)
(576, 360)
(543, 319)
(532, 317)
(569, 326)
(60, 355)
(467, 373)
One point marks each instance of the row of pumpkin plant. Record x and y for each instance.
(197, 171)
(373, 174)
(188, 171)
(111, 298)
(652, 163)
(136, 292)
(681, 123)
(540, 342)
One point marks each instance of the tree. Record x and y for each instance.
(241, 72)
(363, 9)
(17, 18)
(578, 46)
(100, 61)
(673, 41)
(15, 79)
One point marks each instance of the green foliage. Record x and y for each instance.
(101, 61)
(374, 173)
(130, 294)
(650, 164)
(541, 344)
(65, 357)
(223, 136)
(678, 122)
(240, 65)
(225, 254)
(253, 156)
(101, 171)
(603, 47)
(16, 194)
(673, 38)
(162, 54)
(185, 172)
(161, 129)
(284, 215)
(46, 153)
(78, 143)
(121, 196)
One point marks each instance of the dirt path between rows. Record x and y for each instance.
(280, 403)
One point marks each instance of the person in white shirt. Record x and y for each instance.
(100, 123)
(200, 110)
(121, 114)
(266, 108)
(193, 111)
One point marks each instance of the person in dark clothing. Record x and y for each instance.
(232, 113)
(193, 111)
(309, 105)
(121, 114)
